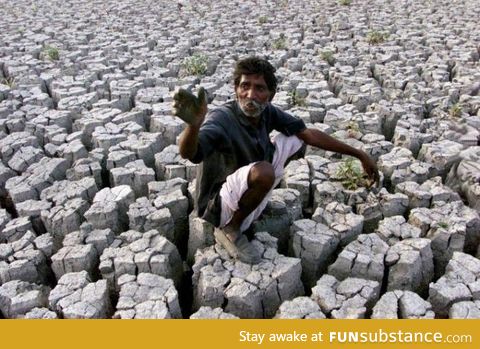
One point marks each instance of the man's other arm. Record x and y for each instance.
(319, 139)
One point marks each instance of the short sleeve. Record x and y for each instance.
(286, 123)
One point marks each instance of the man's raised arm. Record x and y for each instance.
(321, 140)
(192, 110)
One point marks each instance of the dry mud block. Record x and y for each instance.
(402, 305)
(409, 261)
(441, 154)
(110, 207)
(81, 251)
(24, 157)
(77, 297)
(147, 296)
(395, 229)
(392, 204)
(169, 126)
(399, 165)
(15, 229)
(118, 158)
(5, 217)
(249, 291)
(135, 174)
(326, 192)
(340, 217)
(26, 259)
(172, 195)
(17, 298)
(63, 219)
(397, 158)
(297, 176)
(62, 191)
(465, 177)
(282, 209)
(200, 235)
(36, 178)
(134, 252)
(315, 244)
(362, 258)
(351, 298)
(12, 143)
(465, 310)
(427, 193)
(86, 167)
(410, 265)
(71, 151)
(371, 211)
(41, 313)
(299, 308)
(143, 216)
(92, 119)
(169, 164)
(33, 210)
(461, 282)
(74, 259)
(451, 227)
(107, 136)
(209, 313)
(144, 145)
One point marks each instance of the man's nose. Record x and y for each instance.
(250, 93)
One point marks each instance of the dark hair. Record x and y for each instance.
(256, 65)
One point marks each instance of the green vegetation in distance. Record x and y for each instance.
(10, 82)
(196, 64)
(443, 225)
(345, 2)
(296, 99)
(52, 52)
(262, 19)
(327, 56)
(375, 37)
(280, 43)
(455, 110)
(353, 128)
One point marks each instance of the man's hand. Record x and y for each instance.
(189, 108)
(370, 167)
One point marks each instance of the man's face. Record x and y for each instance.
(253, 94)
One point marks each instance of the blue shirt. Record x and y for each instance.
(228, 141)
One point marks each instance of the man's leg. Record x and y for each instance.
(261, 178)
(245, 195)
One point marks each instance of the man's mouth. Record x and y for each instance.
(252, 108)
(253, 105)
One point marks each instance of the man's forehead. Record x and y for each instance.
(257, 78)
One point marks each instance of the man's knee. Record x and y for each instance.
(261, 175)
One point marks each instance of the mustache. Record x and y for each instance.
(253, 103)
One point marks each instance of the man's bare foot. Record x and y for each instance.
(232, 233)
(240, 248)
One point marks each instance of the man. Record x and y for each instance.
(240, 165)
